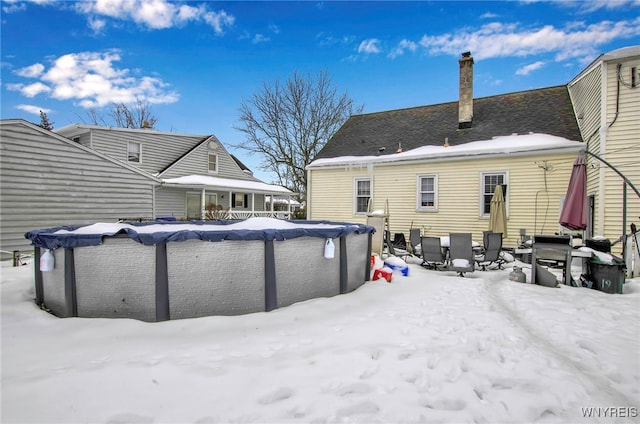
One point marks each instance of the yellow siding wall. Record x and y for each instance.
(622, 147)
(533, 195)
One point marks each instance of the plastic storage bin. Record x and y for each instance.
(607, 277)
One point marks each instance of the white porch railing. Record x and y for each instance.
(231, 214)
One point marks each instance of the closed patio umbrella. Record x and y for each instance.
(498, 213)
(574, 209)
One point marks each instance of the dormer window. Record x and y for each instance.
(213, 163)
(134, 152)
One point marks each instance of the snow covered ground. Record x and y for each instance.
(427, 348)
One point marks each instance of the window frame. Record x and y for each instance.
(505, 182)
(356, 196)
(129, 144)
(419, 192)
(215, 171)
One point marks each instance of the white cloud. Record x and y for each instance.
(488, 15)
(259, 38)
(96, 25)
(32, 71)
(369, 46)
(527, 69)
(30, 90)
(593, 5)
(274, 28)
(155, 14)
(507, 40)
(219, 20)
(33, 109)
(401, 47)
(92, 80)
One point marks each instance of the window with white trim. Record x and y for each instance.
(213, 163)
(362, 194)
(134, 152)
(427, 192)
(489, 182)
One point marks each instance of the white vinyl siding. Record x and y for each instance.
(361, 195)
(427, 198)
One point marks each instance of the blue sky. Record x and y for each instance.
(196, 61)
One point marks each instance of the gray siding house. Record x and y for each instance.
(196, 171)
(81, 174)
(47, 180)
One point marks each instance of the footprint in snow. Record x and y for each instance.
(358, 408)
(129, 419)
(354, 389)
(276, 396)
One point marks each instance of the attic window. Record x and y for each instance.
(213, 163)
(134, 152)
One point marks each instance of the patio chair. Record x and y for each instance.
(415, 241)
(492, 253)
(392, 250)
(461, 257)
(399, 241)
(433, 256)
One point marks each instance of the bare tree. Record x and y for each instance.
(288, 123)
(122, 115)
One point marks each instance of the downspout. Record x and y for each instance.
(603, 141)
(153, 201)
(309, 190)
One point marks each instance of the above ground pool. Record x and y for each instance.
(158, 271)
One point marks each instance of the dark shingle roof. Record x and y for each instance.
(545, 110)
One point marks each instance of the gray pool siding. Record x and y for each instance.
(223, 278)
(307, 273)
(116, 280)
(125, 279)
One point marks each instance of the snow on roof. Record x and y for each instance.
(226, 184)
(534, 143)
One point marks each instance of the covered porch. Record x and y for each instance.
(224, 198)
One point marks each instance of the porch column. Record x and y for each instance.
(253, 204)
(202, 205)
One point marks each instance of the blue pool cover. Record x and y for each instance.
(159, 232)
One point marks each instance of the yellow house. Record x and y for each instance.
(437, 166)
(606, 99)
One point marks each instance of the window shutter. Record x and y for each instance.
(233, 200)
(246, 201)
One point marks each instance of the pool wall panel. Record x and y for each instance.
(357, 260)
(215, 278)
(53, 284)
(116, 280)
(303, 272)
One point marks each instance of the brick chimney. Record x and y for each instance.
(465, 102)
